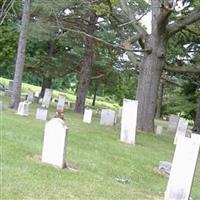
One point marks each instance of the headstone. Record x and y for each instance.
(61, 103)
(10, 87)
(87, 116)
(1, 106)
(159, 130)
(36, 97)
(183, 168)
(72, 105)
(128, 121)
(23, 108)
(107, 117)
(54, 145)
(181, 129)
(173, 122)
(47, 98)
(41, 114)
(30, 97)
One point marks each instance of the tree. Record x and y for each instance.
(165, 24)
(16, 90)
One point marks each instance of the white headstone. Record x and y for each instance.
(173, 122)
(54, 145)
(107, 117)
(1, 106)
(87, 117)
(128, 121)
(181, 129)
(159, 130)
(47, 98)
(41, 114)
(23, 108)
(61, 103)
(183, 168)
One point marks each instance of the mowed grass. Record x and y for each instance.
(93, 150)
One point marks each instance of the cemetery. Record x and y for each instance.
(100, 100)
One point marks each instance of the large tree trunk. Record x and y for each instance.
(150, 71)
(86, 67)
(19, 67)
(159, 100)
(196, 127)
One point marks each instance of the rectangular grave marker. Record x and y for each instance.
(61, 103)
(54, 145)
(159, 130)
(23, 108)
(107, 117)
(183, 168)
(173, 122)
(181, 129)
(47, 98)
(41, 114)
(30, 97)
(128, 121)
(87, 117)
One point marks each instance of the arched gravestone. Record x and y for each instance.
(54, 145)
(107, 117)
(183, 168)
(128, 121)
(61, 103)
(181, 129)
(87, 117)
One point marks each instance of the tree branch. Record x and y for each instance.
(184, 69)
(138, 28)
(182, 23)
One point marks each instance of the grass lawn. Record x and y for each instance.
(93, 150)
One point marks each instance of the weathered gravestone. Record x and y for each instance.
(23, 108)
(181, 129)
(47, 98)
(54, 145)
(10, 87)
(128, 121)
(30, 97)
(87, 117)
(41, 114)
(1, 106)
(183, 168)
(173, 122)
(107, 117)
(159, 130)
(61, 103)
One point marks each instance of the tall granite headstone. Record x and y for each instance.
(128, 121)
(183, 168)
(47, 98)
(54, 144)
(61, 103)
(173, 122)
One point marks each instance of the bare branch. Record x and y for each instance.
(177, 26)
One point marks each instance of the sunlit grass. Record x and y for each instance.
(94, 150)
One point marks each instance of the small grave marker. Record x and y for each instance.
(87, 117)
(41, 114)
(128, 121)
(23, 108)
(107, 117)
(159, 130)
(183, 168)
(54, 145)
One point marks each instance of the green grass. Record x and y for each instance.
(94, 150)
